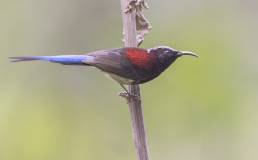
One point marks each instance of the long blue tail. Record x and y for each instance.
(62, 59)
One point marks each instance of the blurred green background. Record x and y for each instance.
(199, 109)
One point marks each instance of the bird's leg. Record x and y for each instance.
(124, 88)
(126, 94)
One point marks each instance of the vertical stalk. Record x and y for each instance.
(139, 135)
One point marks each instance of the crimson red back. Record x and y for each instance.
(141, 58)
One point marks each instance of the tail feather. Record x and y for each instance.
(62, 59)
(27, 58)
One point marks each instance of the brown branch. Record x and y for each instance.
(130, 40)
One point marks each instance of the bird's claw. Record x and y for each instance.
(129, 96)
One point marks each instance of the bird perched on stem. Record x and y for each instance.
(125, 65)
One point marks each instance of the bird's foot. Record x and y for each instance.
(129, 96)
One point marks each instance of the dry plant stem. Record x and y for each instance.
(129, 31)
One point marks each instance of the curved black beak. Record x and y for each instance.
(182, 53)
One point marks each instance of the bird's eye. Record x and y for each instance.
(166, 51)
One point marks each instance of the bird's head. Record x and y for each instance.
(167, 55)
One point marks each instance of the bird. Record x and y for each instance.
(127, 66)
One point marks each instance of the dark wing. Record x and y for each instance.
(109, 61)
